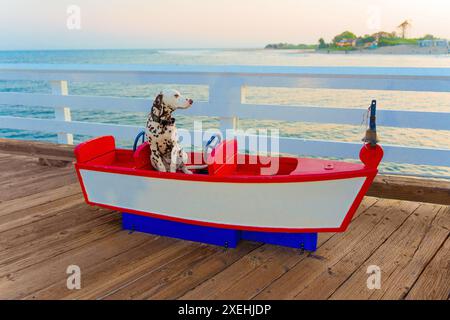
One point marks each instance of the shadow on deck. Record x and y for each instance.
(45, 226)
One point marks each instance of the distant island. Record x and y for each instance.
(347, 41)
(290, 46)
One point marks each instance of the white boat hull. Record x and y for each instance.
(316, 205)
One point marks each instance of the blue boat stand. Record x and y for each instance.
(228, 238)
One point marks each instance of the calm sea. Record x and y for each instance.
(314, 97)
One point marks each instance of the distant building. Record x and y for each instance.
(383, 34)
(346, 43)
(371, 45)
(433, 43)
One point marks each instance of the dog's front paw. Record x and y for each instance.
(187, 171)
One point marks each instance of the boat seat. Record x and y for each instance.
(94, 148)
(141, 157)
(223, 159)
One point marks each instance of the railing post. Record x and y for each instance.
(62, 112)
(227, 94)
(228, 123)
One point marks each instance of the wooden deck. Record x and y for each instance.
(45, 226)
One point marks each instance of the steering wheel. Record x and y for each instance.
(213, 142)
(209, 146)
(136, 140)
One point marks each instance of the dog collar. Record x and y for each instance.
(165, 122)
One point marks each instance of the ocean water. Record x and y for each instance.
(439, 102)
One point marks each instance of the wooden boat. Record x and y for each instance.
(303, 196)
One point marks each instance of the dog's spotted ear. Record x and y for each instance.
(158, 101)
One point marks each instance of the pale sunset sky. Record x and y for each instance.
(33, 24)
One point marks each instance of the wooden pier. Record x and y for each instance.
(45, 226)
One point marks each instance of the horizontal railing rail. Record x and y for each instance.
(389, 118)
(227, 93)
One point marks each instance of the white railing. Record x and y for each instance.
(227, 101)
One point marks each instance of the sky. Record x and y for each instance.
(43, 24)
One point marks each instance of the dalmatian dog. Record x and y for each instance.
(167, 155)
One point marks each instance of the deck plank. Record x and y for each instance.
(47, 247)
(156, 279)
(434, 282)
(110, 275)
(215, 286)
(16, 176)
(45, 179)
(38, 198)
(338, 272)
(14, 166)
(403, 279)
(370, 229)
(35, 149)
(23, 217)
(275, 262)
(393, 256)
(182, 271)
(25, 282)
(199, 272)
(56, 221)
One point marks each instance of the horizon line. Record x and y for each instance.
(136, 48)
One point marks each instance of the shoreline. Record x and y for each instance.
(390, 50)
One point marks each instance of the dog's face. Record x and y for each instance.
(173, 100)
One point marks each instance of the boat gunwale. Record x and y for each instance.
(291, 178)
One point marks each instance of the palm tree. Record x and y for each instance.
(403, 26)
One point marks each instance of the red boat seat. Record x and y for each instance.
(94, 148)
(223, 159)
(141, 157)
